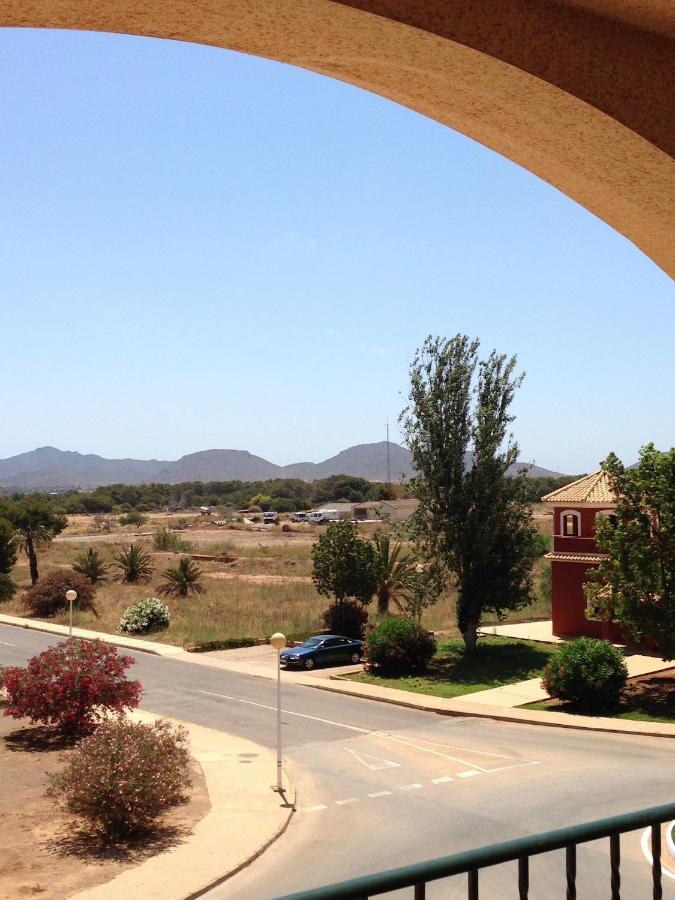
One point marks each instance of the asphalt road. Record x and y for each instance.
(381, 786)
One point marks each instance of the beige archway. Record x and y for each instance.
(580, 92)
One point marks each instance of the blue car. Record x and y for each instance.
(323, 650)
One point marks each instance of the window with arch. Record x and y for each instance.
(606, 514)
(570, 523)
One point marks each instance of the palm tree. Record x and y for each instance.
(393, 572)
(91, 565)
(182, 579)
(134, 563)
(35, 523)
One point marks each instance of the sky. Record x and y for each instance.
(202, 249)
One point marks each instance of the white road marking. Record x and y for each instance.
(316, 808)
(414, 746)
(644, 845)
(380, 794)
(469, 773)
(348, 800)
(444, 780)
(378, 763)
(5, 644)
(410, 787)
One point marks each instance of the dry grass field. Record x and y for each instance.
(264, 586)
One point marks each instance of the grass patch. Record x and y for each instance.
(497, 661)
(649, 698)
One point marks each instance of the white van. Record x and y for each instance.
(270, 518)
(323, 515)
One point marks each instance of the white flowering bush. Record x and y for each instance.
(151, 614)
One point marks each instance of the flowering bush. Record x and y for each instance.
(151, 614)
(48, 595)
(586, 670)
(124, 775)
(399, 645)
(71, 685)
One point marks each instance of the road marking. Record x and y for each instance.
(644, 845)
(5, 644)
(374, 766)
(399, 740)
(348, 800)
(410, 787)
(444, 780)
(288, 712)
(468, 774)
(316, 808)
(380, 794)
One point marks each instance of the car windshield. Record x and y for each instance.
(312, 642)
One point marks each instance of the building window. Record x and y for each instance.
(570, 524)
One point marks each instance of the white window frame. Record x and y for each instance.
(577, 515)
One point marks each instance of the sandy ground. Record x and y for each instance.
(260, 579)
(43, 853)
(198, 535)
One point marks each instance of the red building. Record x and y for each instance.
(576, 508)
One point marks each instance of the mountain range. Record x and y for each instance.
(50, 469)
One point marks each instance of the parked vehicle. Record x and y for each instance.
(270, 518)
(324, 649)
(321, 516)
(299, 517)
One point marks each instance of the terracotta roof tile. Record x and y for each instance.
(589, 489)
(576, 557)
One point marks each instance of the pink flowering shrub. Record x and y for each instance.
(124, 775)
(72, 685)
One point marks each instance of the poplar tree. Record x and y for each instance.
(472, 515)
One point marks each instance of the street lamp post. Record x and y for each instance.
(71, 596)
(278, 641)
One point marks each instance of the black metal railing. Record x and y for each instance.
(471, 862)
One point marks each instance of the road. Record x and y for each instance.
(381, 786)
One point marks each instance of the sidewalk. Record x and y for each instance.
(246, 816)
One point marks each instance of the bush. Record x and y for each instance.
(586, 670)
(132, 518)
(151, 614)
(166, 540)
(134, 564)
(7, 587)
(71, 685)
(397, 646)
(47, 596)
(346, 617)
(124, 775)
(90, 564)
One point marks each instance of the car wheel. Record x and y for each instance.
(356, 658)
(309, 663)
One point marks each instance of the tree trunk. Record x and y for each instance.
(32, 559)
(470, 635)
(383, 601)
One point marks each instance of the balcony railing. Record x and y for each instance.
(472, 861)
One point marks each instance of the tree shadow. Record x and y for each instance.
(94, 847)
(492, 662)
(39, 739)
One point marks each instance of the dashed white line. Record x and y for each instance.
(316, 808)
(348, 800)
(380, 794)
(468, 773)
(444, 780)
(410, 787)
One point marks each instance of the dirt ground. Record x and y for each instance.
(44, 853)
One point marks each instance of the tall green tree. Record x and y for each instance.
(344, 564)
(9, 546)
(472, 516)
(635, 585)
(35, 523)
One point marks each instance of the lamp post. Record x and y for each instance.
(71, 596)
(278, 641)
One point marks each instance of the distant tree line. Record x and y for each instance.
(280, 494)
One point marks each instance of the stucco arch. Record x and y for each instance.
(580, 92)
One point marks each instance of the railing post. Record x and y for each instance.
(656, 862)
(571, 869)
(473, 884)
(523, 877)
(615, 864)
(420, 891)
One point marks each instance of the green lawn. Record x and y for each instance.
(641, 712)
(497, 661)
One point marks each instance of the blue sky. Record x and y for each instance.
(202, 249)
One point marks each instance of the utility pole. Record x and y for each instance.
(388, 463)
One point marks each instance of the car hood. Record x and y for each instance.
(298, 651)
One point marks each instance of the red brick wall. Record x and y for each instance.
(569, 604)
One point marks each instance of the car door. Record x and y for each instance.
(330, 652)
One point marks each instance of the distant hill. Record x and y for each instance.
(50, 469)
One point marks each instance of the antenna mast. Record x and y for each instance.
(388, 462)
